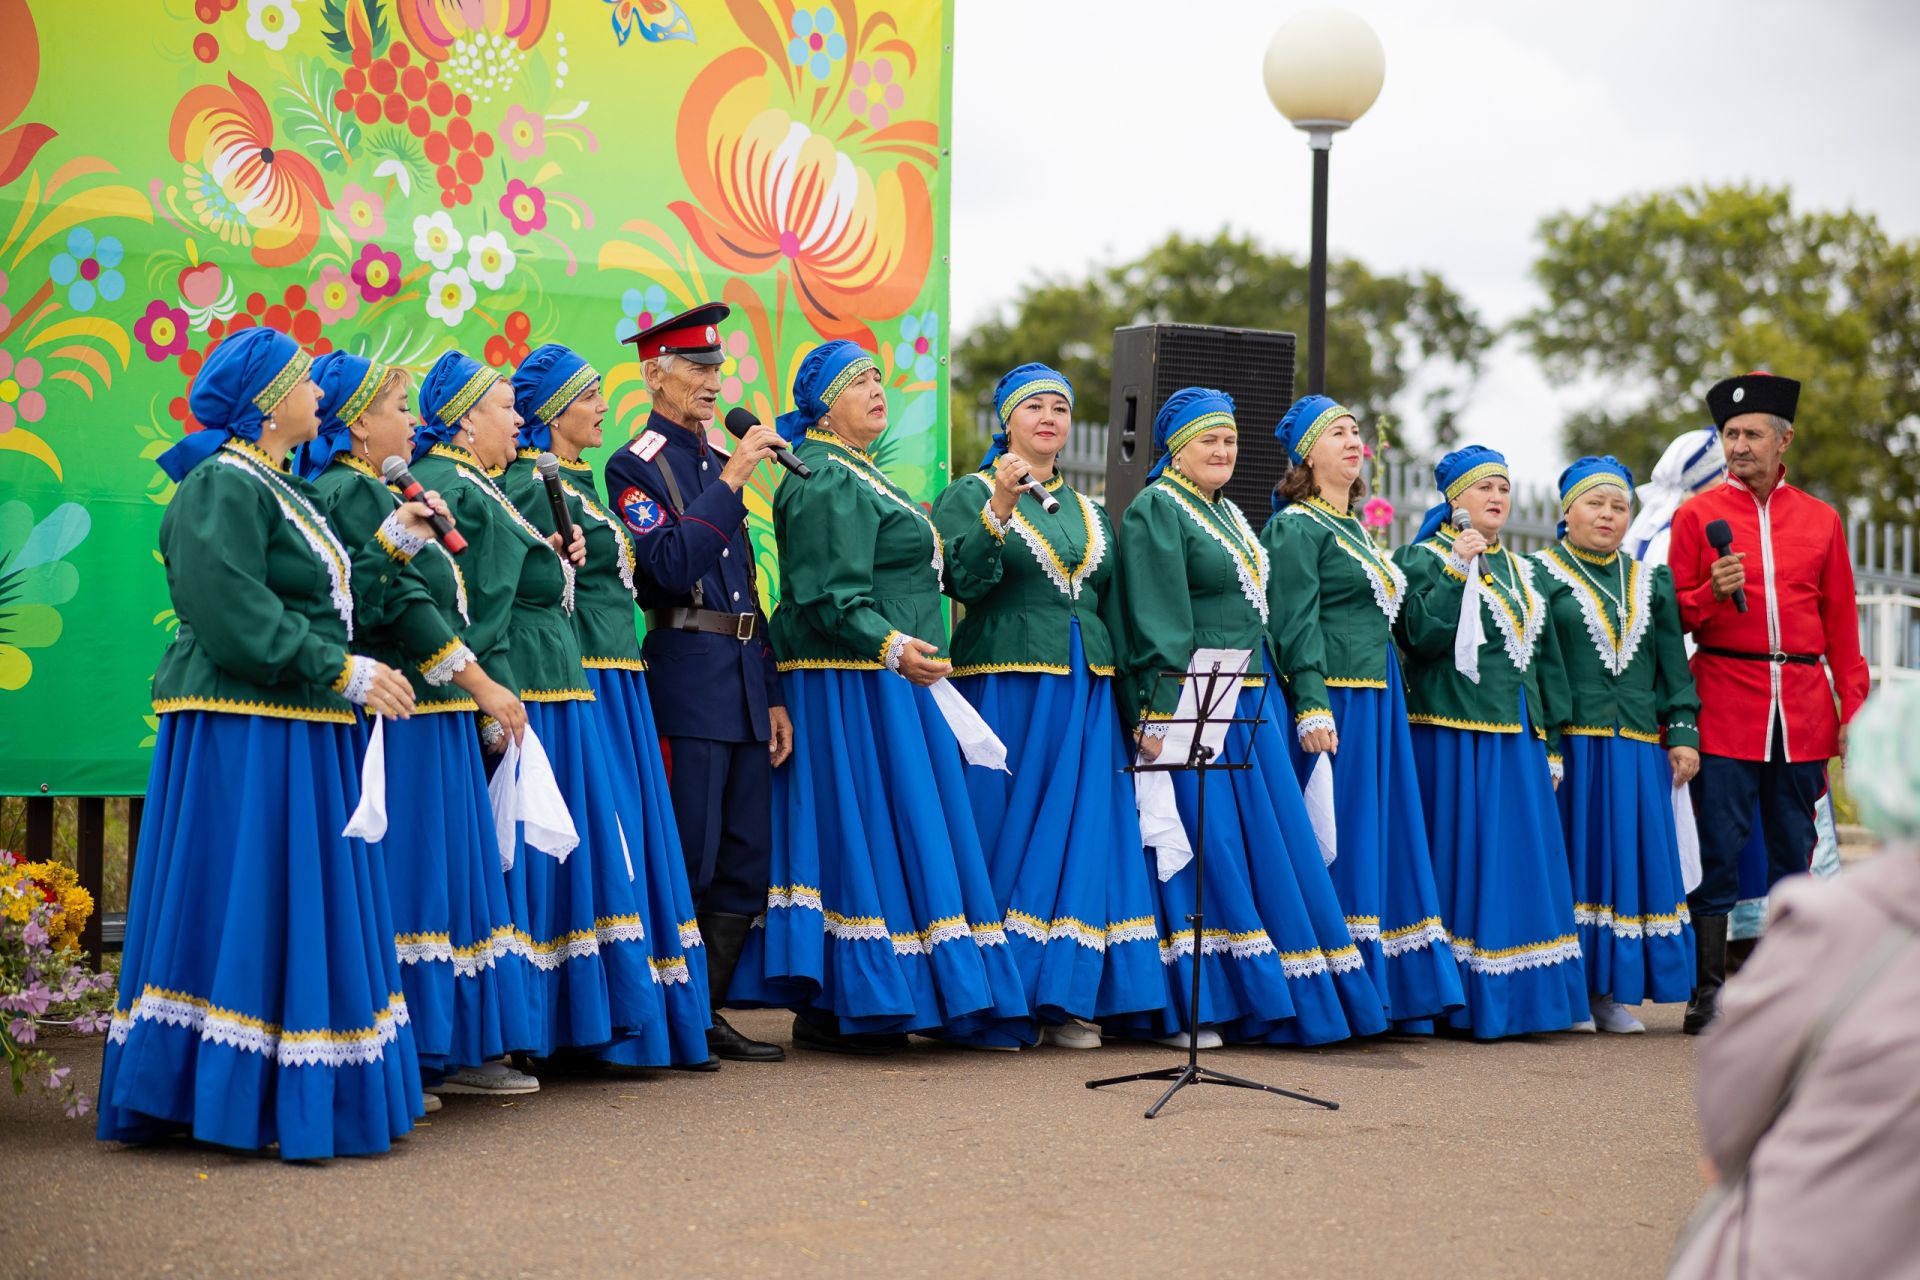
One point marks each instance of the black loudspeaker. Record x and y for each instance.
(1152, 361)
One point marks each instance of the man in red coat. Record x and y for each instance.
(1778, 662)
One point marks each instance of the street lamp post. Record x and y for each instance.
(1323, 70)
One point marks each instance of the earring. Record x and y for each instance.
(272, 425)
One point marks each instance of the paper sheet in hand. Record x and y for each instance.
(369, 820)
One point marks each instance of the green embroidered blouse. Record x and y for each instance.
(270, 601)
(1618, 624)
(1196, 578)
(603, 593)
(1332, 597)
(419, 630)
(860, 563)
(1520, 656)
(1024, 583)
(520, 592)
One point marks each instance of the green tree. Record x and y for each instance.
(1661, 296)
(1380, 329)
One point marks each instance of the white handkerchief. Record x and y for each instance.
(625, 852)
(1319, 798)
(503, 798)
(976, 737)
(1469, 633)
(1160, 827)
(1688, 832)
(369, 820)
(543, 810)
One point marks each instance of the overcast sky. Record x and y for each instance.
(1088, 129)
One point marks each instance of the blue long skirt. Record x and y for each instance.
(881, 912)
(462, 966)
(586, 924)
(1063, 844)
(1278, 965)
(1501, 867)
(1616, 808)
(260, 997)
(1383, 872)
(660, 874)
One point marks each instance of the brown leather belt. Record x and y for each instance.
(1777, 658)
(738, 625)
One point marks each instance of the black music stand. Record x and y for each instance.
(1200, 760)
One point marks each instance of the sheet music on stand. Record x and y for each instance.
(1160, 826)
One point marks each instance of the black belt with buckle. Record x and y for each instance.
(738, 625)
(1776, 657)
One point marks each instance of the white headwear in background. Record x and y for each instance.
(1693, 462)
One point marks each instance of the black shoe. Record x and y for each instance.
(808, 1034)
(725, 1042)
(711, 1064)
(1710, 971)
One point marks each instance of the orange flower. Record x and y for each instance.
(432, 26)
(233, 169)
(771, 195)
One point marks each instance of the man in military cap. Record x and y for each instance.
(715, 691)
(1766, 614)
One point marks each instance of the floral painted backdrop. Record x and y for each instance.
(394, 177)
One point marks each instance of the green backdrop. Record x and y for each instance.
(393, 177)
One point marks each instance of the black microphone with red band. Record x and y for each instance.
(411, 490)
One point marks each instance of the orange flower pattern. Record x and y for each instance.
(225, 136)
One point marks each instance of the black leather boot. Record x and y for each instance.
(1710, 971)
(817, 1031)
(725, 936)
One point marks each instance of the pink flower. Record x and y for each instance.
(6, 313)
(22, 1030)
(334, 296)
(19, 401)
(1377, 514)
(162, 330)
(1366, 451)
(524, 133)
(525, 207)
(377, 272)
(362, 213)
(875, 95)
(78, 1107)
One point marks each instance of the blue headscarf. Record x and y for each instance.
(551, 378)
(451, 388)
(1453, 475)
(827, 371)
(1587, 474)
(1015, 386)
(235, 392)
(348, 384)
(1305, 421)
(1188, 414)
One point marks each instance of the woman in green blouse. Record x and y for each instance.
(881, 917)
(1631, 735)
(1035, 653)
(1333, 597)
(1484, 687)
(1278, 961)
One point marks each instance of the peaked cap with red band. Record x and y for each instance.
(693, 334)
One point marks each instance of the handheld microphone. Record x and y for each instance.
(1720, 534)
(740, 419)
(1048, 503)
(549, 468)
(1462, 520)
(394, 469)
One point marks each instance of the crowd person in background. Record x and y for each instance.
(260, 995)
(1768, 720)
(1630, 732)
(1333, 596)
(1035, 653)
(1481, 716)
(1809, 1082)
(713, 685)
(1279, 963)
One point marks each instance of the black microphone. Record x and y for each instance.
(1048, 502)
(738, 422)
(1720, 534)
(549, 468)
(397, 475)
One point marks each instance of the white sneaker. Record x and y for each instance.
(1072, 1034)
(1209, 1039)
(493, 1078)
(1584, 1025)
(1613, 1016)
(430, 1102)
